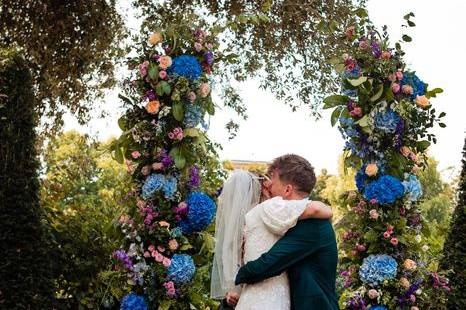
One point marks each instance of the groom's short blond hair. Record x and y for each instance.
(295, 170)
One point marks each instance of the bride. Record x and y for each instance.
(245, 229)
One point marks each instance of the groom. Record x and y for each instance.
(307, 251)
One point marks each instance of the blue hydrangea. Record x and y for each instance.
(152, 184)
(378, 307)
(181, 269)
(192, 115)
(169, 187)
(362, 178)
(377, 268)
(133, 302)
(413, 188)
(201, 212)
(156, 182)
(419, 87)
(186, 66)
(386, 190)
(387, 121)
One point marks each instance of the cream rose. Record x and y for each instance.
(204, 90)
(422, 101)
(409, 264)
(404, 282)
(155, 38)
(165, 62)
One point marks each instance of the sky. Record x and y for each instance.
(272, 129)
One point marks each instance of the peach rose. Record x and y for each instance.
(372, 169)
(409, 264)
(141, 203)
(386, 55)
(155, 38)
(173, 244)
(165, 62)
(422, 101)
(157, 166)
(204, 90)
(152, 107)
(406, 151)
(407, 89)
(373, 294)
(404, 282)
(164, 224)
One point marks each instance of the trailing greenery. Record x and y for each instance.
(25, 272)
(455, 246)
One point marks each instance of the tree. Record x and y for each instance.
(455, 246)
(83, 193)
(287, 44)
(25, 267)
(71, 48)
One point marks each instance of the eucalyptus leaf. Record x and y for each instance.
(335, 115)
(178, 111)
(191, 132)
(358, 81)
(378, 94)
(153, 72)
(335, 100)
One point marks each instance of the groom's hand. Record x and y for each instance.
(232, 298)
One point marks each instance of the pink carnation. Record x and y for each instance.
(162, 74)
(386, 234)
(356, 112)
(135, 154)
(176, 134)
(394, 241)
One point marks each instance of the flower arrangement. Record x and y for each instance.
(384, 114)
(165, 147)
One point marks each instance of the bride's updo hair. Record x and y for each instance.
(295, 170)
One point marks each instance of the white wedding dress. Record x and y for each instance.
(264, 225)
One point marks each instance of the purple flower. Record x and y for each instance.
(124, 258)
(194, 179)
(376, 51)
(209, 58)
(167, 160)
(150, 94)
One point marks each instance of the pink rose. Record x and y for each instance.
(356, 112)
(166, 262)
(143, 68)
(151, 248)
(157, 166)
(161, 248)
(176, 134)
(146, 254)
(140, 203)
(399, 75)
(395, 88)
(158, 257)
(204, 90)
(191, 96)
(386, 235)
(372, 294)
(363, 44)
(135, 154)
(162, 74)
(165, 62)
(394, 241)
(374, 214)
(171, 292)
(392, 77)
(146, 170)
(198, 46)
(412, 298)
(407, 89)
(173, 244)
(390, 228)
(360, 247)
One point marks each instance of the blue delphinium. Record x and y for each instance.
(387, 121)
(419, 87)
(181, 269)
(413, 188)
(378, 307)
(385, 190)
(152, 184)
(192, 115)
(186, 66)
(201, 211)
(377, 268)
(169, 187)
(133, 302)
(361, 178)
(176, 232)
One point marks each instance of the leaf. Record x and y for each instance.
(408, 16)
(358, 81)
(378, 94)
(411, 24)
(335, 100)
(166, 87)
(159, 89)
(153, 72)
(119, 154)
(442, 125)
(442, 114)
(191, 132)
(335, 115)
(363, 122)
(125, 99)
(406, 38)
(180, 161)
(178, 111)
(360, 13)
(370, 236)
(423, 145)
(122, 123)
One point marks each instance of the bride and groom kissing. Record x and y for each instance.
(275, 248)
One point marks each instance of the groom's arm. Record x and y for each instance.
(298, 243)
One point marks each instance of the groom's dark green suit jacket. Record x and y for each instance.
(308, 252)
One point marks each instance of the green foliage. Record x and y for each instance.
(25, 271)
(71, 47)
(455, 246)
(83, 193)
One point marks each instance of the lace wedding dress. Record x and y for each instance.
(264, 225)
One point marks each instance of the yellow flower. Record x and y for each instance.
(372, 170)
(422, 101)
(153, 107)
(155, 38)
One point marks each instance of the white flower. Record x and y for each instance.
(425, 247)
(418, 292)
(418, 238)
